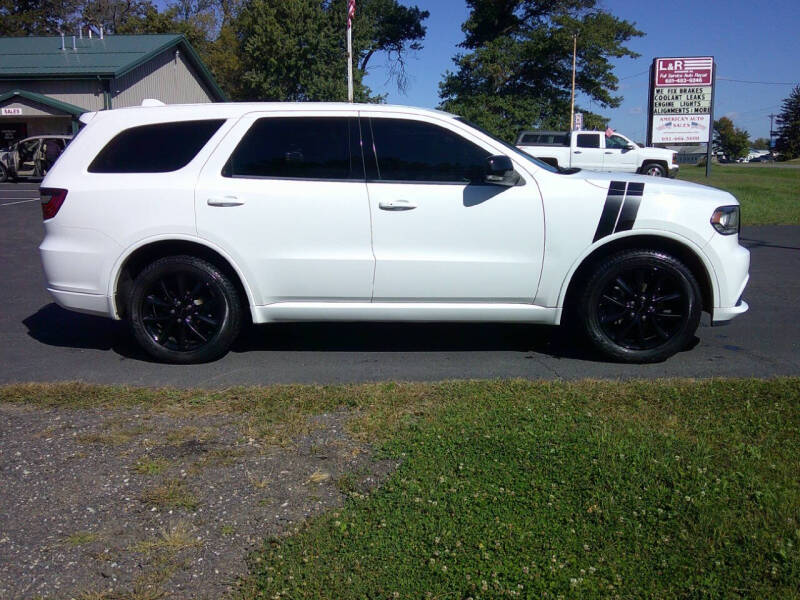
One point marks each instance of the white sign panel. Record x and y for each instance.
(679, 129)
(682, 100)
(578, 124)
(10, 111)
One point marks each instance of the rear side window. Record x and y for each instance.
(157, 148)
(415, 151)
(299, 148)
(588, 140)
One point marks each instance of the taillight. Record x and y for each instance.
(52, 199)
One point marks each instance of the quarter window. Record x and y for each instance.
(588, 140)
(408, 150)
(157, 148)
(299, 148)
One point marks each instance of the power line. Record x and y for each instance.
(636, 75)
(760, 82)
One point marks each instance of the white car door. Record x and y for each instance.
(437, 237)
(618, 156)
(284, 195)
(587, 153)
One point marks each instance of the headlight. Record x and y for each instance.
(674, 158)
(726, 220)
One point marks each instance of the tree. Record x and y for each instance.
(37, 17)
(517, 72)
(731, 141)
(760, 144)
(295, 49)
(788, 121)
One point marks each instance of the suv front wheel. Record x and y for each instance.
(640, 306)
(184, 310)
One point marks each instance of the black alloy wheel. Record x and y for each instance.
(184, 310)
(641, 306)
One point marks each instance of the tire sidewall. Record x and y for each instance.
(222, 339)
(609, 270)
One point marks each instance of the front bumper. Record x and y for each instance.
(673, 172)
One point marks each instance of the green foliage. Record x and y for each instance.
(518, 71)
(588, 490)
(788, 142)
(730, 140)
(36, 17)
(760, 144)
(295, 50)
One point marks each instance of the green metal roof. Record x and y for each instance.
(46, 100)
(40, 57)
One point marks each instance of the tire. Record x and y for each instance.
(203, 302)
(3, 174)
(640, 306)
(654, 170)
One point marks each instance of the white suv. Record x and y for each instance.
(187, 220)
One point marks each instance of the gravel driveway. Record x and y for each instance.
(98, 503)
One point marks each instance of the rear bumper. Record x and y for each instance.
(91, 304)
(723, 316)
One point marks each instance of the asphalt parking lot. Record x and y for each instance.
(42, 342)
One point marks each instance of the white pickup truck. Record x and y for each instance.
(597, 151)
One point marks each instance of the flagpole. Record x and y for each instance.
(351, 12)
(572, 105)
(349, 64)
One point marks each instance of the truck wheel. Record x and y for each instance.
(3, 174)
(655, 170)
(184, 310)
(640, 306)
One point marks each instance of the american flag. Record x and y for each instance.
(351, 12)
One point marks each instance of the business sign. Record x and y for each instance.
(681, 94)
(10, 111)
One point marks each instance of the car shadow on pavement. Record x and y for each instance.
(55, 326)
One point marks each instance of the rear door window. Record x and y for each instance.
(326, 148)
(588, 140)
(156, 148)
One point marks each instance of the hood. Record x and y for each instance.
(660, 186)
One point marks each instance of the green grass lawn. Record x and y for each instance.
(768, 195)
(665, 489)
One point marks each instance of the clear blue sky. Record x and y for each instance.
(755, 40)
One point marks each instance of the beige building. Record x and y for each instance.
(46, 83)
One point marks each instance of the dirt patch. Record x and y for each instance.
(132, 504)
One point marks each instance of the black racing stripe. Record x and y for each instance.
(627, 217)
(608, 218)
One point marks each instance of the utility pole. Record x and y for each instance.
(771, 132)
(572, 106)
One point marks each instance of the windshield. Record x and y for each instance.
(514, 149)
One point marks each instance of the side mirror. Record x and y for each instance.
(500, 171)
(630, 147)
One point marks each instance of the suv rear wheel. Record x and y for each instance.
(640, 306)
(184, 310)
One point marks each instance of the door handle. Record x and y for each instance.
(609, 152)
(577, 152)
(225, 201)
(397, 205)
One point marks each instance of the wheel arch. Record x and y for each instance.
(682, 249)
(139, 256)
(650, 161)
